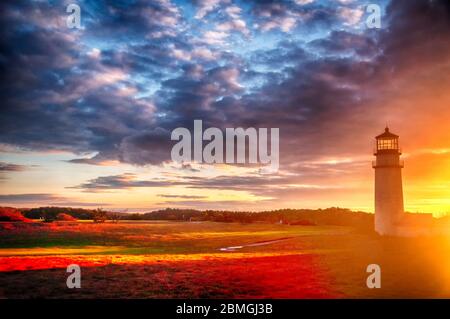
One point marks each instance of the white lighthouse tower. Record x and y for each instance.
(389, 211)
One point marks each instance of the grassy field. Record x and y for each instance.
(216, 260)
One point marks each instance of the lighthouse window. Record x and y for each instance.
(387, 144)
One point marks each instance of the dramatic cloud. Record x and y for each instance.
(123, 181)
(137, 69)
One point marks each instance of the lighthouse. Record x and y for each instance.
(389, 212)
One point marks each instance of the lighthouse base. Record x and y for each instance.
(409, 225)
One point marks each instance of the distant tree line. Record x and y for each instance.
(328, 216)
(50, 214)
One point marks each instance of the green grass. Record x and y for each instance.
(411, 267)
(157, 237)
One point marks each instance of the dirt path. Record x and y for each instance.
(259, 243)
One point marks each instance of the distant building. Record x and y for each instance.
(390, 217)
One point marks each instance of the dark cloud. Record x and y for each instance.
(341, 42)
(123, 100)
(128, 180)
(79, 204)
(260, 185)
(217, 204)
(288, 17)
(90, 161)
(28, 197)
(47, 199)
(188, 167)
(182, 196)
(123, 181)
(417, 34)
(148, 147)
(132, 19)
(9, 167)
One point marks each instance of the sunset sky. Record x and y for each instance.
(86, 114)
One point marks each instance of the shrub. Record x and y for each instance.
(99, 216)
(65, 217)
(9, 214)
